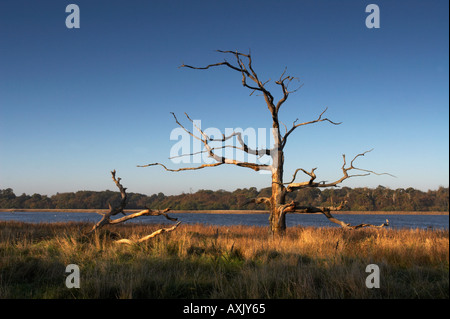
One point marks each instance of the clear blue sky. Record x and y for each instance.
(77, 103)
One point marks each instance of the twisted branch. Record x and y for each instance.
(311, 183)
(205, 139)
(243, 69)
(294, 126)
(296, 208)
(107, 217)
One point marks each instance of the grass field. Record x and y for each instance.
(197, 261)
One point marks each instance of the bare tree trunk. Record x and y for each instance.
(276, 223)
(277, 218)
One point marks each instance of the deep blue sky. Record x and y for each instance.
(77, 103)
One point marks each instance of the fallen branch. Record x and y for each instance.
(107, 217)
(145, 238)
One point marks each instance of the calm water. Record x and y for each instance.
(397, 221)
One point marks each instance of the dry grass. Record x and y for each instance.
(221, 262)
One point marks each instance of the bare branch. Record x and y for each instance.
(311, 174)
(183, 168)
(163, 213)
(145, 238)
(123, 194)
(205, 151)
(294, 125)
(220, 159)
(260, 200)
(234, 52)
(295, 208)
(145, 212)
(205, 139)
(294, 186)
(211, 65)
(244, 69)
(245, 147)
(106, 219)
(185, 129)
(284, 83)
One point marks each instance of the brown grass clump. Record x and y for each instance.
(197, 261)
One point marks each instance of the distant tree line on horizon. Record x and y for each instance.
(358, 199)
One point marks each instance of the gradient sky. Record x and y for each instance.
(77, 103)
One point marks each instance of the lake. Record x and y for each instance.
(318, 220)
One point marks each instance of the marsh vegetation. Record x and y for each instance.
(200, 261)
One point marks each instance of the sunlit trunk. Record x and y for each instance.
(277, 217)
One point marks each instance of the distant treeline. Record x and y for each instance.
(358, 199)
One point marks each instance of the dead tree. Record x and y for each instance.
(276, 203)
(119, 209)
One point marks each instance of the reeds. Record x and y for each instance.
(197, 261)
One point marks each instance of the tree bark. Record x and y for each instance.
(277, 218)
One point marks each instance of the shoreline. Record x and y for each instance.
(20, 210)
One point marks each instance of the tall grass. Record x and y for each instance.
(198, 261)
